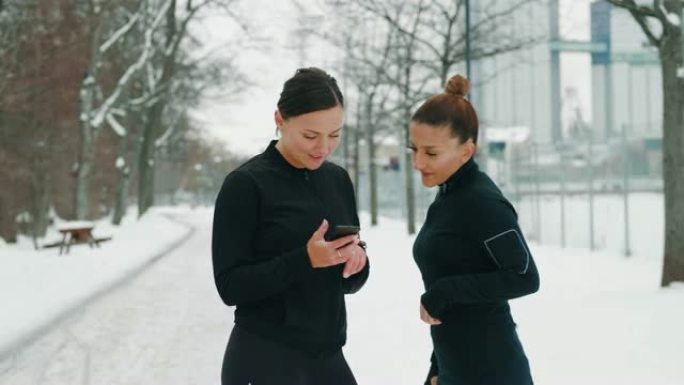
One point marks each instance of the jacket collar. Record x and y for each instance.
(457, 178)
(273, 154)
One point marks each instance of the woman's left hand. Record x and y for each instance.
(427, 318)
(356, 259)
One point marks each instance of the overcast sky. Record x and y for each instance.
(246, 124)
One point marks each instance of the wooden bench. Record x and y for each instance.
(77, 232)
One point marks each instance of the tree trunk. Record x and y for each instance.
(410, 192)
(83, 172)
(154, 119)
(8, 231)
(372, 171)
(146, 159)
(86, 150)
(122, 195)
(355, 148)
(408, 169)
(41, 202)
(122, 188)
(355, 161)
(40, 205)
(671, 57)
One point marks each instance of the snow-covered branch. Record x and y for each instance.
(666, 16)
(121, 32)
(116, 126)
(169, 131)
(101, 112)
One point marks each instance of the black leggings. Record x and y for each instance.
(253, 360)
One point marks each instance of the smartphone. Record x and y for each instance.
(342, 230)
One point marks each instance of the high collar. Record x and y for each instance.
(457, 178)
(274, 154)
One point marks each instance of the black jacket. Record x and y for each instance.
(473, 258)
(265, 213)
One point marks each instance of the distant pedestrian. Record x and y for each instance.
(471, 253)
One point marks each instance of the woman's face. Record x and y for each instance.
(306, 140)
(436, 153)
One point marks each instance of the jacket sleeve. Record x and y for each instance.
(497, 236)
(238, 276)
(354, 283)
(434, 369)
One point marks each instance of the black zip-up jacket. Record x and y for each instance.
(473, 258)
(265, 213)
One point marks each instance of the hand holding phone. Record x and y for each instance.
(323, 253)
(357, 257)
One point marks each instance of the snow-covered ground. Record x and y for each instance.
(37, 286)
(599, 318)
(644, 212)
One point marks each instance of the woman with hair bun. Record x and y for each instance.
(472, 256)
(273, 253)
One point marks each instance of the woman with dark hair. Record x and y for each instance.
(470, 251)
(273, 254)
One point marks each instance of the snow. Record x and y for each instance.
(115, 125)
(119, 33)
(120, 163)
(672, 18)
(645, 217)
(512, 134)
(103, 111)
(37, 286)
(599, 318)
(70, 225)
(23, 217)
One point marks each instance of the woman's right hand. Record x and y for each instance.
(433, 380)
(323, 253)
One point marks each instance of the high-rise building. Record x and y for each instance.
(626, 78)
(514, 89)
(523, 87)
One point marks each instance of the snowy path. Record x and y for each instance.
(599, 319)
(164, 327)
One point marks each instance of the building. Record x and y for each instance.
(524, 87)
(626, 79)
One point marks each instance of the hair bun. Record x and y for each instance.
(458, 86)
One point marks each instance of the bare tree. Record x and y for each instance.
(166, 67)
(426, 43)
(11, 17)
(402, 75)
(35, 106)
(369, 72)
(96, 108)
(46, 47)
(662, 23)
(366, 45)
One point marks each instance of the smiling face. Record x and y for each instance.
(437, 154)
(307, 140)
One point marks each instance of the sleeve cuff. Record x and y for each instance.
(299, 262)
(432, 303)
